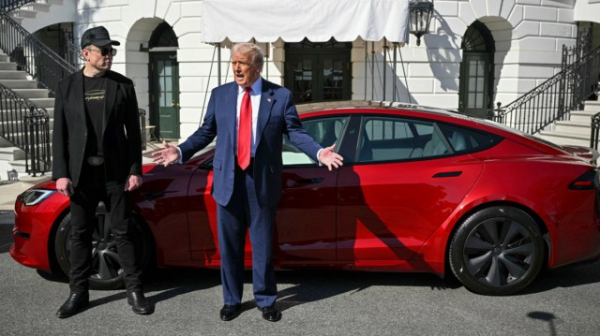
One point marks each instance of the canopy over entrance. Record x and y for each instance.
(294, 20)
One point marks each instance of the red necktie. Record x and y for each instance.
(245, 131)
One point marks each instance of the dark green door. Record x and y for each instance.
(165, 94)
(318, 74)
(475, 97)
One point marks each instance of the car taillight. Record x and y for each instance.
(587, 181)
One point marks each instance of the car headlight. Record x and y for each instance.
(35, 196)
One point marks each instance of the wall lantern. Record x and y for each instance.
(421, 12)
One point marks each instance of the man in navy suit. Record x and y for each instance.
(247, 191)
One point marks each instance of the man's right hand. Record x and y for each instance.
(65, 186)
(166, 156)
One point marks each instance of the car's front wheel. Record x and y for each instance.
(497, 251)
(107, 272)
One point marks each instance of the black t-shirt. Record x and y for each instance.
(95, 97)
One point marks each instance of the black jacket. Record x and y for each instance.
(122, 145)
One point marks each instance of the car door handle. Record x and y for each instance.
(310, 181)
(152, 195)
(302, 182)
(448, 174)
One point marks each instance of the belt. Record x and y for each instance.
(95, 160)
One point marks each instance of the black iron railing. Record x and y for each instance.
(10, 5)
(555, 98)
(31, 55)
(27, 126)
(73, 54)
(142, 114)
(595, 131)
(583, 45)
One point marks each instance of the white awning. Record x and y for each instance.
(294, 20)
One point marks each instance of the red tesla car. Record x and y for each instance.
(421, 190)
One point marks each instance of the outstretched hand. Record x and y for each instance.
(330, 158)
(166, 156)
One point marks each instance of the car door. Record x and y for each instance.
(404, 179)
(306, 217)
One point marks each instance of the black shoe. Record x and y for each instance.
(74, 304)
(138, 303)
(228, 313)
(270, 314)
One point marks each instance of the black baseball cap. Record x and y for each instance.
(97, 36)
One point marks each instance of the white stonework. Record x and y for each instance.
(528, 34)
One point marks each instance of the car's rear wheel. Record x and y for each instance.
(497, 251)
(107, 272)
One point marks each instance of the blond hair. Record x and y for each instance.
(246, 48)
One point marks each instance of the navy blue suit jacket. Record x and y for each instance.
(277, 116)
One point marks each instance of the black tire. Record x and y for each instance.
(107, 273)
(497, 251)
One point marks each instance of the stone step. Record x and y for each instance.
(8, 66)
(4, 58)
(7, 113)
(17, 19)
(592, 106)
(47, 103)
(18, 138)
(19, 83)
(577, 127)
(562, 138)
(12, 74)
(3, 122)
(37, 6)
(20, 167)
(23, 13)
(585, 116)
(12, 153)
(33, 93)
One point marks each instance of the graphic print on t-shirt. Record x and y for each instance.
(95, 96)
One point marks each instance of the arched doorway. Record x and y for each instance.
(477, 71)
(164, 82)
(318, 71)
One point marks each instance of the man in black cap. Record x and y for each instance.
(97, 158)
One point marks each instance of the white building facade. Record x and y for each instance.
(477, 52)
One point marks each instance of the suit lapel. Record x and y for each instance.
(231, 112)
(109, 103)
(79, 97)
(264, 111)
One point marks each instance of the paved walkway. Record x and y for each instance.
(9, 190)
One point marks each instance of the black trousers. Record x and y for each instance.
(91, 190)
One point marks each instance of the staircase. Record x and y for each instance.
(577, 130)
(29, 11)
(28, 74)
(32, 8)
(13, 159)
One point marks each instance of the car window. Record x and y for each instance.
(391, 139)
(325, 131)
(462, 140)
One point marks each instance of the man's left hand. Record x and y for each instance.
(330, 158)
(133, 182)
